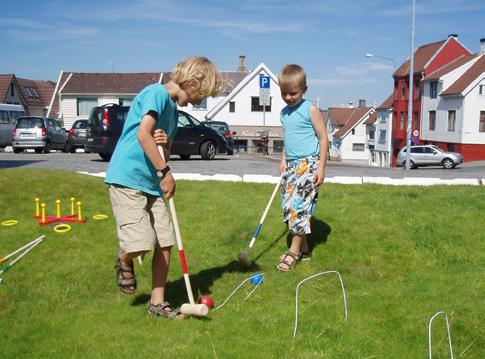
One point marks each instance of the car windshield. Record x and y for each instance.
(30, 122)
(80, 124)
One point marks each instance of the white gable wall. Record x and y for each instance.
(346, 151)
(473, 104)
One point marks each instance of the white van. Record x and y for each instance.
(8, 118)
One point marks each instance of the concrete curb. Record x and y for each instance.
(406, 181)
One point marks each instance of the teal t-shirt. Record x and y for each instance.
(129, 166)
(298, 133)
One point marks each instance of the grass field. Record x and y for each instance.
(404, 253)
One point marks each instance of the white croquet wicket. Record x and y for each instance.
(430, 329)
(311, 277)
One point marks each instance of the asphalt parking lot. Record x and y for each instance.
(238, 165)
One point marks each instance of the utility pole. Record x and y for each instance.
(410, 91)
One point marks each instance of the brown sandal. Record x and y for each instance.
(164, 310)
(126, 284)
(284, 260)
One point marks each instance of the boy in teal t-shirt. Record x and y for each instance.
(302, 162)
(139, 177)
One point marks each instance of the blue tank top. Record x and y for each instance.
(298, 133)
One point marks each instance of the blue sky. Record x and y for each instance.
(329, 38)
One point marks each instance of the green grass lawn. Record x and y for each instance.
(404, 253)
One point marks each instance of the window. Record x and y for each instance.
(416, 121)
(27, 91)
(417, 150)
(358, 147)
(482, 122)
(85, 105)
(417, 89)
(371, 134)
(382, 118)
(125, 101)
(255, 107)
(401, 123)
(451, 120)
(201, 106)
(382, 136)
(432, 120)
(4, 118)
(11, 89)
(481, 89)
(403, 89)
(433, 89)
(232, 106)
(277, 146)
(353, 131)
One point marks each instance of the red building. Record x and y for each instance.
(427, 58)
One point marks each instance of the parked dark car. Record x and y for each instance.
(106, 124)
(104, 129)
(38, 133)
(224, 130)
(77, 135)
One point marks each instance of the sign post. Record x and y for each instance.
(264, 94)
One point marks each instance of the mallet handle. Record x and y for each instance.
(178, 238)
(8, 266)
(260, 224)
(21, 249)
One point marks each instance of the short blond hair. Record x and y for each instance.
(200, 74)
(292, 75)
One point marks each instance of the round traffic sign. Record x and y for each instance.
(415, 133)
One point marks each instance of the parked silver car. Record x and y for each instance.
(429, 155)
(41, 134)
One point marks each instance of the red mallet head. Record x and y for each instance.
(207, 300)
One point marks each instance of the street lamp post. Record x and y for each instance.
(383, 57)
(410, 92)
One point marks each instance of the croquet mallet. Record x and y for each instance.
(27, 248)
(243, 257)
(191, 308)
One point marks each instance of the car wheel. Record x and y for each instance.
(185, 157)
(68, 148)
(105, 156)
(47, 147)
(72, 149)
(448, 164)
(208, 150)
(412, 165)
(38, 150)
(18, 150)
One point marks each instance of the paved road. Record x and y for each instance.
(237, 165)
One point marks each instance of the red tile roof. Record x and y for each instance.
(421, 57)
(347, 117)
(36, 92)
(5, 81)
(387, 103)
(109, 83)
(435, 75)
(470, 75)
(372, 119)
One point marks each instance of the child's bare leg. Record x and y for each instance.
(160, 263)
(127, 259)
(297, 241)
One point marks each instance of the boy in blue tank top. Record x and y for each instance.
(302, 162)
(139, 177)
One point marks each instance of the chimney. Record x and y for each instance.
(242, 63)
(453, 35)
(361, 103)
(482, 45)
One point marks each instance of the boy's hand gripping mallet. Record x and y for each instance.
(198, 310)
(243, 257)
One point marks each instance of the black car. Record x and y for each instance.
(77, 135)
(224, 130)
(106, 124)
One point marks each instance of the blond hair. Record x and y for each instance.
(199, 75)
(291, 76)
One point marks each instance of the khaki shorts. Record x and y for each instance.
(142, 220)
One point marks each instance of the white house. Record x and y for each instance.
(453, 107)
(383, 141)
(350, 133)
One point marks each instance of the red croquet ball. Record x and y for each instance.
(207, 300)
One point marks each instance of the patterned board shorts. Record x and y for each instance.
(298, 194)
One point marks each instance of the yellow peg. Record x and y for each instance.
(79, 212)
(72, 206)
(37, 207)
(58, 208)
(43, 213)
